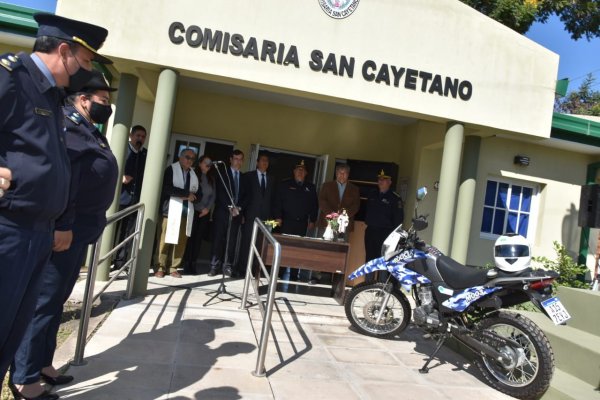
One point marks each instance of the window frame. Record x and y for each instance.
(533, 210)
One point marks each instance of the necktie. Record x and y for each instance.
(263, 183)
(237, 186)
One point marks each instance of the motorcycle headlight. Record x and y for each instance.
(390, 245)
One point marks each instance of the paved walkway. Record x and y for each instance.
(172, 345)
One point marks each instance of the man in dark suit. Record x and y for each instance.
(229, 192)
(256, 203)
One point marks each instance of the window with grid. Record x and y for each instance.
(507, 208)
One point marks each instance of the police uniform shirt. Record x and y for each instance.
(384, 210)
(31, 144)
(296, 204)
(94, 173)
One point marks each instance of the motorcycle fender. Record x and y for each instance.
(460, 301)
(377, 264)
(396, 267)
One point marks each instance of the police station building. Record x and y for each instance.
(432, 90)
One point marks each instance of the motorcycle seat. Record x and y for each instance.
(458, 276)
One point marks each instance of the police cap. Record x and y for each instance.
(383, 175)
(97, 82)
(87, 35)
(300, 165)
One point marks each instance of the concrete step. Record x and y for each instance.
(584, 307)
(576, 352)
(567, 387)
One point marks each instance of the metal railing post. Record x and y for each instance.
(86, 308)
(89, 298)
(268, 310)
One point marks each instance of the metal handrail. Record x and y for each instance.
(267, 312)
(89, 298)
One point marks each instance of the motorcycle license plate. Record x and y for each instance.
(557, 312)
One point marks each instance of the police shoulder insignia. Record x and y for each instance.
(9, 61)
(75, 117)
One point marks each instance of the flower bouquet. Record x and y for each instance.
(332, 226)
(271, 224)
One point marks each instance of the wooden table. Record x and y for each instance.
(315, 255)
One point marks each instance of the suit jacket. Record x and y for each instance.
(254, 203)
(222, 200)
(329, 201)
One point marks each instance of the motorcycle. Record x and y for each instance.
(460, 302)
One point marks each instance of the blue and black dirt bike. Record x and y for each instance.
(465, 303)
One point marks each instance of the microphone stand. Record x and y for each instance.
(222, 289)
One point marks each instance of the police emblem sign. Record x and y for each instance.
(339, 8)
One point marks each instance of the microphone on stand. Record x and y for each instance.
(218, 162)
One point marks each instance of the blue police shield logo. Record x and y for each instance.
(339, 9)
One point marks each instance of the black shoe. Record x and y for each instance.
(59, 380)
(45, 395)
(213, 271)
(227, 271)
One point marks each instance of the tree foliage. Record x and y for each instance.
(584, 101)
(581, 17)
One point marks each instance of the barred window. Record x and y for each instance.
(507, 208)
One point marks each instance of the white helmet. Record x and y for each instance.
(512, 253)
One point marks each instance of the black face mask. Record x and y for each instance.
(99, 113)
(78, 80)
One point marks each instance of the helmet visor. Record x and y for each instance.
(512, 250)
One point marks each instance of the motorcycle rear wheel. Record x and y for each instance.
(528, 374)
(363, 304)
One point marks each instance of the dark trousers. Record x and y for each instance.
(23, 256)
(192, 248)
(57, 281)
(220, 221)
(374, 238)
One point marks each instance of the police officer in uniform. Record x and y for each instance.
(384, 212)
(94, 175)
(32, 149)
(296, 203)
(296, 206)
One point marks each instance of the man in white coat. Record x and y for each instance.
(179, 191)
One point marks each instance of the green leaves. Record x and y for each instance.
(581, 18)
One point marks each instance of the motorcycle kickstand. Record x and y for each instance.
(440, 343)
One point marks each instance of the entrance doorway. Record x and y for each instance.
(282, 163)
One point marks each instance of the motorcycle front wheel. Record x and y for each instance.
(375, 309)
(527, 368)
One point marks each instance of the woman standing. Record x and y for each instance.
(202, 219)
(93, 179)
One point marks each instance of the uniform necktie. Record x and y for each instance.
(263, 183)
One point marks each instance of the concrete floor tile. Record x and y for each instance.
(350, 342)
(282, 351)
(296, 389)
(347, 355)
(233, 354)
(382, 373)
(489, 393)
(306, 370)
(134, 350)
(395, 391)
(186, 378)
